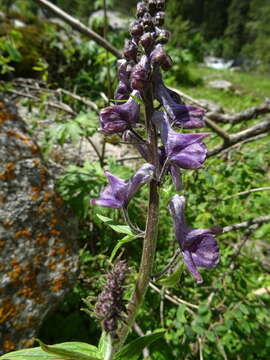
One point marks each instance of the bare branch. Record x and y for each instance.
(59, 106)
(245, 115)
(246, 192)
(85, 101)
(77, 25)
(174, 299)
(138, 330)
(247, 224)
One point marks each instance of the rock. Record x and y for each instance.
(38, 257)
(220, 84)
(211, 105)
(116, 20)
(18, 23)
(217, 63)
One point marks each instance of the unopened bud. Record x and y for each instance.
(130, 50)
(159, 57)
(162, 35)
(139, 75)
(141, 9)
(152, 6)
(160, 4)
(160, 18)
(136, 29)
(147, 20)
(147, 41)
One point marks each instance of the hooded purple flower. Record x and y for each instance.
(119, 192)
(184, 116)
(123, 89)
(118, 118)
(198, 246)
(140, 73)
(184, 150)
(143, 150)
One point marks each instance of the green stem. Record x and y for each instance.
(150, 239)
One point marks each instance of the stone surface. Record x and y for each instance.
(220, 84)
(38, 252)
(116, 20)
(211, 105)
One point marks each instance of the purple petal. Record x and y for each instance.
(176, 177)
(188, 260)
(118, 118)
(192, 157)
(119, 192)
(198, 246)
(142, 176)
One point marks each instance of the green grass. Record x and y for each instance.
(248, 89)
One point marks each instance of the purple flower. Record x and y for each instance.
(140, 73)
(184, 150)
(119, 192)
(158, 57)
(144, 151)
(123, 89)
(118, 118)
(184, 116)
(198, 246)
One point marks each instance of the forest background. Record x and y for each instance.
(230, 316)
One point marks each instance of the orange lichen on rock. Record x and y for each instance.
(23, 233)
(15, 273)
(7, 310)
(8, 172)
(47, 195)
(19, 136)
(8, 345)
(27, 292)
(41, 239)
(5, 116)
(55, 233)
(8, 223)
(58, 283)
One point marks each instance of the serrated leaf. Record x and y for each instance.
(120, 243)
(136, 346)
(85, 351)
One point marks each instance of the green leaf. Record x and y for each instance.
(66, 351)
(180, 316)
(173, 279)
(14, 54)
(135, 347)
(122, 229)
(104, 218)
(122, 242)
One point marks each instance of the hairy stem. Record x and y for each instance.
(149, 243)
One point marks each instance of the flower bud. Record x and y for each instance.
(141, 9)
(140, 73)
(136, 29)
(130, 50)
(147, 20)
(118, 118)
(160, 18)
(160, 4)
(159, 57)
(152, 6)
(147, 41)
(162, 36)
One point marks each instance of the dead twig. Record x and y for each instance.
(246, 192)
(253, 223)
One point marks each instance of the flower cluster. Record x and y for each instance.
(110, 305)
(140, 74)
